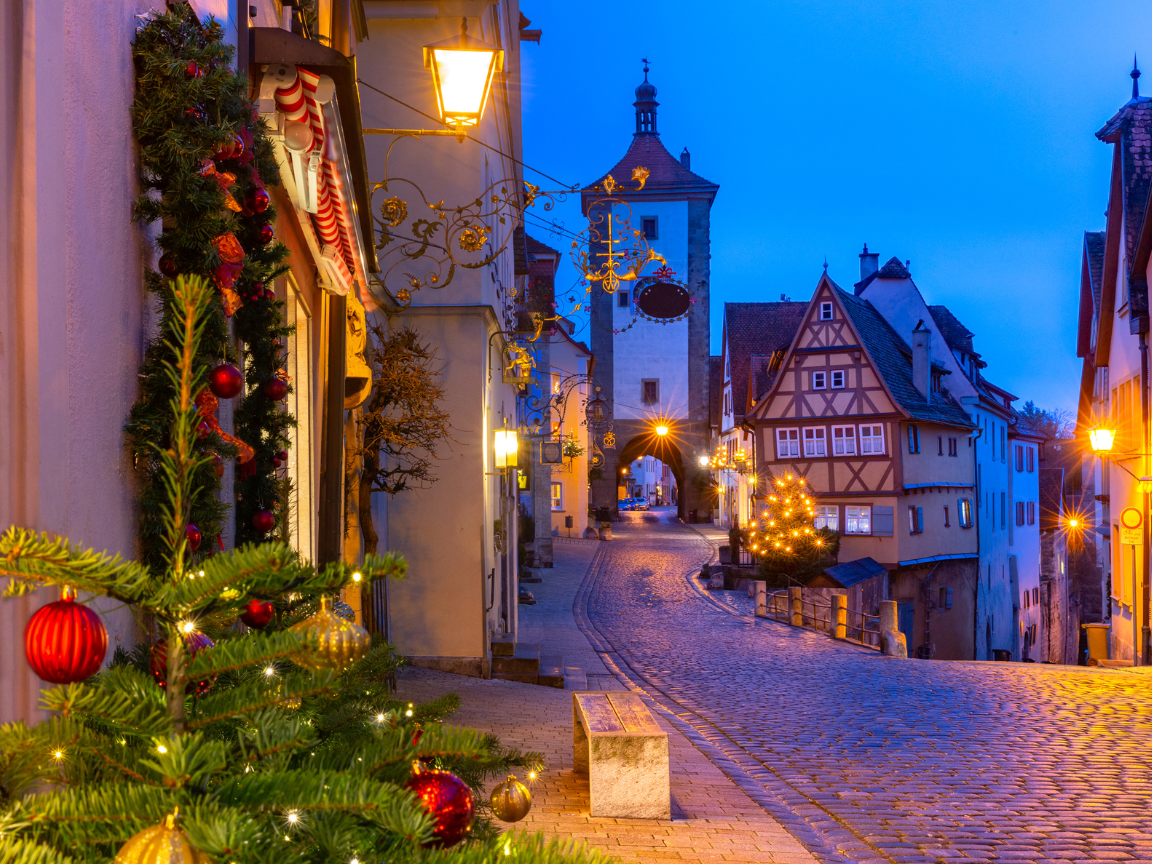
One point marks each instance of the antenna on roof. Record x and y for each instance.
(1135, 73)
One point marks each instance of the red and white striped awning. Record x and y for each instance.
(298, 102)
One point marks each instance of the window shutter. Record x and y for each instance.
(919, 520)
(882, 521)
(948, 602)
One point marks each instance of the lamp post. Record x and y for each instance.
(1101, 439)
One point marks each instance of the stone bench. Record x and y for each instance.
(617, 743)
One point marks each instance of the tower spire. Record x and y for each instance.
(1135, 73)
(646, 105)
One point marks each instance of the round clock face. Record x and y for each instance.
(663, 300)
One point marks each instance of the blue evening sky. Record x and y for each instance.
(959, 135)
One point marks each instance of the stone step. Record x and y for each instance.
(551, 672)
(512, 676)
(525, 660)
(575, 678)
(503, 646)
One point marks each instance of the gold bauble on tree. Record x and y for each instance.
(340, 643)
(161, 844)
(511, 800)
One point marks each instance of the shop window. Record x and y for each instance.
(302, 435)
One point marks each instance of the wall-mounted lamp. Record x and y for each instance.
(1101, 439)
(462, 70)
(505, 448)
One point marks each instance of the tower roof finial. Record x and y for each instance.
(1135, 73)
(644, 60)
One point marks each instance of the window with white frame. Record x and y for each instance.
(557, 496)
(838, 379)
(843, 440)
(814, 442)
(826, 311)
(857, 519)
(827, 516)
(787, 443)
(872, 439)
(819, 380)
(964, 510)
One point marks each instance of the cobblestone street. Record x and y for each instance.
(859, 757)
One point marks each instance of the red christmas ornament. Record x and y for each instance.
(258, 614)
(167, 265)
(218, 465)
(263, 521)
(237, 147)
(223, 151)
(448, 800)
(203, 431)
(64, 641)
(193, 535)
(275, 388)
(194, 643)
(282, 455)
(193, 70)
(257, 200)
(225, 381)
(266, 234)
(275, 462)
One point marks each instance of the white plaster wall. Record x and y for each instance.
(648, 349)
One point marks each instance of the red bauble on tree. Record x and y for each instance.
(225, 381)
(65, 642)
(193, 535)
(282, 455)
(194, 643)
(193, 70)
(275, 388)
(266, 234)
(258, 614)
(257, 201)
(263, 520)
(448, 800)
(167, 265)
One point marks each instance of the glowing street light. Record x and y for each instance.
(661, 430)
(505, 448)
(462, 70)
(704, 461)
(1101, 439)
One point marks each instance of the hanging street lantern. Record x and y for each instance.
(462, 70)
(1101, 439)
(505, 448)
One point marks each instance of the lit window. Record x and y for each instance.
(814, 442)
(819, 380)
(557, 496)
(787, 443)
(555, 383)
(872, 439)
(838, 380)
(827, 517)
(964, 511)
(843, 440)
(826, 311)
(301, 468)
(857, 519)
(915, 520)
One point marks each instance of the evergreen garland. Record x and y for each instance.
(190, 109)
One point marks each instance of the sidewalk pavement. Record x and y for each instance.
(712, 819)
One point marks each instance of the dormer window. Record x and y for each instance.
(826, 311)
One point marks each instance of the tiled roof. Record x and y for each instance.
(1051, 497)
(535, 247)
(893, 360)
(757, 328)
(715, 388)
(955, 334)
(1094, 248)
(665, 170)
(1131, 126)
(763, 372)
(854, 572)
(894, 270)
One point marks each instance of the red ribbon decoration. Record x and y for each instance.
(207, 403)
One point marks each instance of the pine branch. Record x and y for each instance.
(125, 699)
(255, 649)
(14, 850)
(33, 559)
(253, 696)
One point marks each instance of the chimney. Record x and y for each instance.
(686, 159)
(922, 360)
(869, 263)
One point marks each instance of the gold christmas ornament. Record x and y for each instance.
(161, 844)
(341, 643)
(511, 800)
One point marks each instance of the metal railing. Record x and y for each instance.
(803, 607)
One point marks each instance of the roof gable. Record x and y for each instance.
(756, 328)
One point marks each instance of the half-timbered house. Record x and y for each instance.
(864, 414)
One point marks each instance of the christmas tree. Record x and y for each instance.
(280, 744)
(788, 546)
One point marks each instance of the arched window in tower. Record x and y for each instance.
(646, 106)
